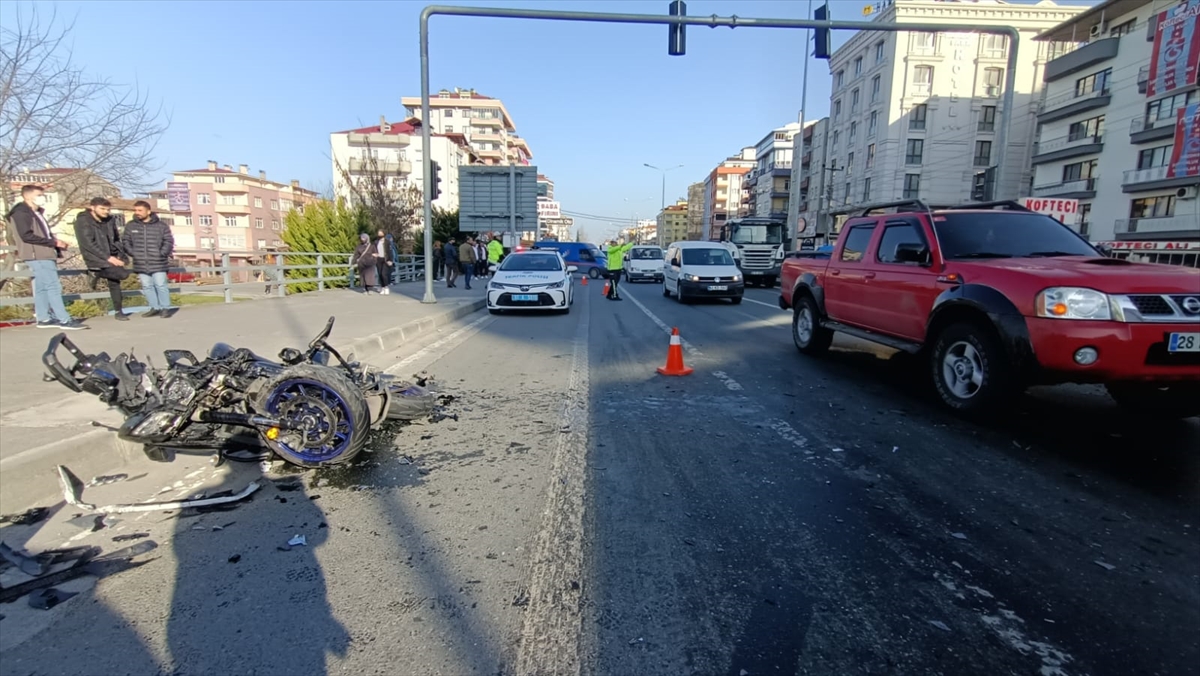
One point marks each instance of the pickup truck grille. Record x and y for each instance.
(1175, 306)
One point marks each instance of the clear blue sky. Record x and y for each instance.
(264, 83)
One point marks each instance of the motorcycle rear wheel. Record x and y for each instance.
(330, 410)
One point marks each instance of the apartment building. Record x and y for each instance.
(1116, 137)
(768, 184)
(545, 187)
(915, 114)
(395, 148)
(218, 210)
(724, 191)
(695, 212)
(482, 120)
(807, 185)
(672, 222)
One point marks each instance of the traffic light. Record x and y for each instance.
(979, 186)
(676, 38)
(437, 178)
(821, 35)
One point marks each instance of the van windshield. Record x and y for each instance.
(647, 254)
(707, 257)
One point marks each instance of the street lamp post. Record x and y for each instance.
(663, 203)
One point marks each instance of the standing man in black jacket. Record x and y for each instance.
(149, 243)
(40, 250)
(96, 232)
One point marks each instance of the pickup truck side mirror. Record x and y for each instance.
(1105, 250)
(912, 252)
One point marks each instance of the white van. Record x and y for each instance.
(644, 263)
(702, 270)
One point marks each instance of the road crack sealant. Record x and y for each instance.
(553, 626)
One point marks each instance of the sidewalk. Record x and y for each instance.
(43, 424)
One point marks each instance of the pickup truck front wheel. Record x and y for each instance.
(1181, 400)
(968, 370)
(808, 334)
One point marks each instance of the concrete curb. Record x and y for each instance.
(28, 480)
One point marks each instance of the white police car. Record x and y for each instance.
(538, 279)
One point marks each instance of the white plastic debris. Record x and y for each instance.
(839, 450)
(939, 624)
(959, 536)
(297, 541)
(1104, 565)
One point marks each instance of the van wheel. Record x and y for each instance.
(969, 370)
(594, 273)
(807, 333)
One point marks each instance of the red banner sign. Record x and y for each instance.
(1185, 153)
(1175, 61)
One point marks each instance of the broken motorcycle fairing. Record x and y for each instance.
(311, 408)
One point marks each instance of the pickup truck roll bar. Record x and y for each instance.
(1005, 205)
(921, 205)
(911, 204)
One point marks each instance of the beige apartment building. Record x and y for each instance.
(482, 120)
(672, 222)
(724, 190)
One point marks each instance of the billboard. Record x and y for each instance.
(548, 209)
(1185, 153)
(179, 197)
(1066, 211)
(1175, 61)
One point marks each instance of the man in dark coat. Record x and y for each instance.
(149, 243)
(450, 252)
(95, 230)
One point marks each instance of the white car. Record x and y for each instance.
(644, 263)
(702, 270)
(538, 279)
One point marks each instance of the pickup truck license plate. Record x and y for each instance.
(1183, 342)
(718, 288)
(524, 297)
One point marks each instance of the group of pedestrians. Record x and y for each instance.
(373, 260)
(144, 248)
(473, 258)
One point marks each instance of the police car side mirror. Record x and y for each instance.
(572, 268)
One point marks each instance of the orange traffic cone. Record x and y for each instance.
(584, 281)
(675, 365)
(606, 288)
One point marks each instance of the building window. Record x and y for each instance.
(872, 124)
(187, 220)
(1090, 128)
(871, 156)
(449, 129)
(206, 221)
(231, 222)
(983, 153)
(993, 46)
(837, 110)
(274, 223)
(914, 152)
(1153, 207)
(257, 202)
(228, 199)
(854, 102)
(1151, 158)
(449, 112)
(867, 188)
(987, 118)
(1079, 171)
(1124, 29)
(203, 198)
(993, 79)
(858, 66)
(853, 134)
(1085, 220)
(875, 89)
(879, 52)
(274, 205)
(258, 223)
(916, 118)
(850, 164)
(1094, 83)
(922, 79)
(262, 243)
(1165, 108)
(923, 42)
(839, 80)
(912, 186)
(218, 179)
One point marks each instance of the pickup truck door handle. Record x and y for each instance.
(869, 275)
(835, 273)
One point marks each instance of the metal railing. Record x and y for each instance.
(1065, 187)
(1070, 97)
(1069, 141)
(328, 270)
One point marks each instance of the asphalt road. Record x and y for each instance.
(769, 514)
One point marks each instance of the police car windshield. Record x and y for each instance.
(531, 263)
(1005, 234)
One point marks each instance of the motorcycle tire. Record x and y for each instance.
(328, 401)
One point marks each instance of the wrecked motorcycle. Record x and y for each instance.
(311, 408)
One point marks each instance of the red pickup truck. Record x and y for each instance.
(996, 298)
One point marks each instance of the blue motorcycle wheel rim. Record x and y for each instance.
(302, 393)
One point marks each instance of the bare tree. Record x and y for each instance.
(53, 113)
(392, 203)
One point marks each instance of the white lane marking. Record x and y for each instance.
(729, 382)
(29, 453)
(773, 306)
(663, 325)
(553, 628)
(455, 338)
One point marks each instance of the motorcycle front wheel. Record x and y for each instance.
(326, 417)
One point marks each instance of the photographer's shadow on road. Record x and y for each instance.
(244, 601)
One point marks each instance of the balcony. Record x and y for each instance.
(1155, 178)
(781, 168)
(1083, 57)
(1143, 129)
(359, 165)
(777, 192)
(489, 121)
(378, 140)
(806, 158)
(1066, 147)
(486, 135)
(1169, 226)
(1071, 103)
(231, 187)
(1143, 80)
(230, 209)
(1084, 188)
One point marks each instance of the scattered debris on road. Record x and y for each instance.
(73, 492)
(939, 624)
(1105, 565)
(959, 536)
(56, 566)
(137, 536)
(297, 541)
(235, 558)
(45, 599)
(27, 518)
(105, 479)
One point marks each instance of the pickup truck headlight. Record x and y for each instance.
(1069, 302)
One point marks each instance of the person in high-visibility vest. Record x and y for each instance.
(615, 262)
(495, 251)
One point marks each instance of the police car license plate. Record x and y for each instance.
(1183, 342)
(524, 297)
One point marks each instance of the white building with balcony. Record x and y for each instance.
(1102, 140)
(393, 150)
(916, 114)
(768, 184)
(807, 187)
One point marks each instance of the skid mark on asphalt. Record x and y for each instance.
(552, 631)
